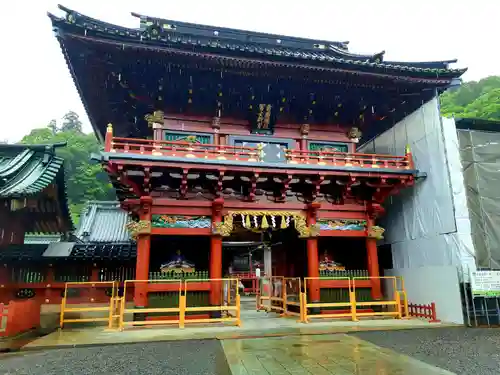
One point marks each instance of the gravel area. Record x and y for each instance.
(172, 358)
(464, 351)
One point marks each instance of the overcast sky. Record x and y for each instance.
(35, 85)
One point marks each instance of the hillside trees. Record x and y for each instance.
(474, 99)
(85, 180)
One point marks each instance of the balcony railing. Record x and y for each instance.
(194, 150)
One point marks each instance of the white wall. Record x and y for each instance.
(421, 223)
(434, 284)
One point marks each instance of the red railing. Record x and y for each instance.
(19, 316)
(249, 280)
(248, 154)
(184, 149)
(423, 311)
(344, 159)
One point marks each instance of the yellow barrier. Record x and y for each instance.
(392, 301)
(400, 287)
(230, 305)
(272, 294)
(176, 286)
(292, 296)
(92, 297)
(348, 305)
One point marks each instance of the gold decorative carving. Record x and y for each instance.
(216, 122)
(154, 118)
(376, 232)
(354, 134)
(138, 228)
(314, 230)
(226, 227)
(304, 129)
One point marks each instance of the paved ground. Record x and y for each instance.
(175, 358)
(458, 350)
(472, 351)
(319, 355)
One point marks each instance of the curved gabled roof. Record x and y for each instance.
(155, 31)
(26, 171)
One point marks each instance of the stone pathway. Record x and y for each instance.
(319, 355)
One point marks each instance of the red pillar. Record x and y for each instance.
(312, 256)
(142, 262)
(215, 271)
(373, 266)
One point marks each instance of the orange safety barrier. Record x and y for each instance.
(400, 286)
(272, 294)
(349, 304)
(75, 292)
(293, 297)
(229, 304)
(174, 285)
(392, 297)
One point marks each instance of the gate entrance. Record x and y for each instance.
(90, 302)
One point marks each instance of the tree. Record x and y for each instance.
(71, 122)
(53, 126)
(84, 180)
(474, 100)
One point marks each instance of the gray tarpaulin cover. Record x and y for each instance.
(428, 224)
(480, 155)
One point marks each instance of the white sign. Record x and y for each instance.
(257, 272)
(485, 283)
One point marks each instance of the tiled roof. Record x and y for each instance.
(27, 170)
(111, 251)
(156, 32)
(103, 222)
(31, 253)
(41, 238)
(102, 236)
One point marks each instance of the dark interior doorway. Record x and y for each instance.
(193, 249)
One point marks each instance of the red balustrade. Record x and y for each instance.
(195, 150)
(423, 311)
(184, 149)
(343, 159)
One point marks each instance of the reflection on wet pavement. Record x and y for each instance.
(318, 355)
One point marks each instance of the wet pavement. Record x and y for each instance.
(319, 355)
(464, 351)
(175, 358)
(254, 324)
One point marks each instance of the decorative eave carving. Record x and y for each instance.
(376, 232)
(354, 134)
(225, 228)
(139, 228)
(154, 118)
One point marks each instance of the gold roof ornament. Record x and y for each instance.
(154, 118)
(354, 134)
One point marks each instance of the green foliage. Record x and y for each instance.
(85, 180)
(474, 100)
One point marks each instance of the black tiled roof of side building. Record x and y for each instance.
(102, 251)
(158, 32)
(101, 235)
